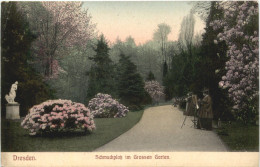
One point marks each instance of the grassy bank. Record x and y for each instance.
(240, 137)
(16, 139)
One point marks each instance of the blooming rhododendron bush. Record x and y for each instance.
(103, 106)
(240, 33)
(155, 90)
(58, 115)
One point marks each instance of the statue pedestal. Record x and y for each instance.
(13, 111)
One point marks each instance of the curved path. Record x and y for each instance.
(160, 130)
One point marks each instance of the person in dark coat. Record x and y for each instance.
(205, 114)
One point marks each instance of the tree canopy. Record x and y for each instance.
(15, 57)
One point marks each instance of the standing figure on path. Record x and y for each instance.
(12, 94)
(205, 113)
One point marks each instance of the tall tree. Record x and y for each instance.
(72, 81)
(130, 83)
(101, 74)
(150, 76)
(187, 33)
(178, 78)
(58, 25)
(165, 69)
(202, 8)
(15, 54)
(212, 64)
(161, 35)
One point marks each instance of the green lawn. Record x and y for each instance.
(239, 137)
(16, 139)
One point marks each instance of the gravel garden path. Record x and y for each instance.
(160, 130)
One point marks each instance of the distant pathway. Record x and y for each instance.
(160, 130)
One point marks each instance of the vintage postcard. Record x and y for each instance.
(130, 83)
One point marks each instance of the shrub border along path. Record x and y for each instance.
(16, 139)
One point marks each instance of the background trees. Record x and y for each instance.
(212, 64)
(149, 59)
(72, 81)
(58, 25)
(181, 75)
(16, 40)
(150, 76)
(161, 35)
(146, 57)
(227, 57)
(187, 33)
(57, 41)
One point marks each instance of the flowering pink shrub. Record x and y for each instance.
(155, 90)
(103, 106)
(240, 32)
(58, 115)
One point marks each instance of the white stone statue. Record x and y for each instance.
(12, 94)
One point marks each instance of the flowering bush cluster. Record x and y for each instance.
(103, 106)
(58, 115)
(240, 32)
(155, 90)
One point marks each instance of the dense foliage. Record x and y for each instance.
(180, 73)
(227, 57)
(130, 84)
(101, 74)
(212, 64)
(16, 40)
(146, 57)
(240, 32)
(58, 115)
(59, 25)
(72, 82)
(104, 106)
(150, 76)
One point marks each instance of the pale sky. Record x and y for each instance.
(138, 19)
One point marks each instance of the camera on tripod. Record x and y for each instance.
(203, 115)
(192, 107)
